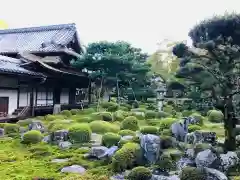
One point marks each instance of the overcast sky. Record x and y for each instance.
(143, 23)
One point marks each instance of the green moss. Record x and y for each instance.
(32, 137)
(215, 116)
(166, 123)
(130, 123)
(24, 122)
(192, 128)
(74, 111)
(192, 173)
(149, 114)
(127, 132)
(198, 117)
(110, 139)
(11, 130)
(149, 130)
(80, 133)
(105, 116)
(140, 173)
(66, 113)
(102, 127)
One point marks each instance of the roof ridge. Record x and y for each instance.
(39, 28)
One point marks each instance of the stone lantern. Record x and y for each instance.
(161, 92)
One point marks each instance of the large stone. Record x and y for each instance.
(127, 138)
(59, 160)
(228, 160)
(1, 132)
(47, 139)
(201, 137)
(160, 177)
(179, 131)
(96, 139)
(208, 159)
(98, 151)
(64, 144)
(184, 162)
(60, 135)
(214, 174)
(36, 125)
(22, 130)
(151, 146)
(74, 169)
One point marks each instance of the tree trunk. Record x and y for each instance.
(229, 125)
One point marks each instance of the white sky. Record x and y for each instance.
(143, 23)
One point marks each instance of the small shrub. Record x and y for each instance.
(84, 119)
(162, 114)
(215, 116)
(24, 122)
(102, 127)
(80, 133)
(149, 130)
(119, 115)
(127, 132)
(130, 123)
(166, 123)
(193, 173)
(125, 106)
(86, 111)
(198, 117)
(168, 109)
(126, 157)
(74, 111)
(140, 173)
(11, 129)
(165, 162)
(150, 114)
(166, 132)
(66, 113)
(110, 106)
(32, 137)
(110, 139)
(186, 113)
(51, 117)
(2, 125)
(105, 116)
(194, 127)
(39, 150)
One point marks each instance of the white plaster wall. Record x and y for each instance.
(24, 97)
(12, 94)
(64, 98)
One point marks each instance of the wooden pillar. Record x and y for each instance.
(90, 93)
(31, 101)
(72, 95)
(18, 96)
(56, 95)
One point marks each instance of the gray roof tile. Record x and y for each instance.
(36, 38)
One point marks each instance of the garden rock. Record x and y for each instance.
(208, 159)
(189, 153)
(120, 176)
(22, 130)
(214, 174)
(151, 146)
(183, 162)
(201, 137)
(36, 125)
(96, 139)
(65, 144)
(228, 160)
(126, 138)
(46, 139)
(74, 169)
(1, 132)
(179, 131)
(191, 120)
(160, 177)
(60, 135)
(98, 151)
(59, 160)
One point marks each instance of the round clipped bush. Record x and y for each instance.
(165, 162)
(84, 119)
(66, 113)
(186, 113)
(110, 106)
(110, 139)
(193, 173)
(86, 111)
(130, 123)
(80, 133)
(198, 117)
(215, 116)
(74, 111)
(194, 127)
(127, 132)
(166, 132)
(140, 173)
(119, 115)
(162, 114)
(125, 107)
(24, 122)
(149, 130)
(105, 116)
(149, 114)
(126, 157)
(166, 123)
(11, 129)
(168, 109)
(32, 137)
(102, 127)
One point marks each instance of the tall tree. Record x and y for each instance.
(213, 65)
(115, 65)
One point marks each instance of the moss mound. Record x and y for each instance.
(110, 139)
(32, 137)
(192, 173)
(215, 116)
(140, 173)
(149, 130)
(102, 127)
(130, 123)
(80, 133)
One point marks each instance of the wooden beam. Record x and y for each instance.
(18, 97)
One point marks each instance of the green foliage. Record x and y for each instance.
(130, 123)
(166, 132)
(201, 147)
(126, 157)
(149, 114)
(165, 162)
(86, 111)
(110, 139)
(80, 133)
(166, 141)
(32, 137)
(105, 116)
(192, 173)
(149, 130)
(140, 173)
(194, 127)
(119, 115)
(74, 111)
(168, 109)
(127, 132)
(83, 119)
(110, 106)
(198, 117)
(11, 130)
(66, 113)
(215, 116)
(24, 122)
(103, 127)
(162, 114)
(166, 123)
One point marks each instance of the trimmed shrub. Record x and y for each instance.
(110, 106)
(11, 129)
(74, 111)
(86, 111)
(166, 123)
(168, 109)
(32, 137)
(186, 113)
(127, 132)
(126, 157)
(50, 117)
(215, 116)
(162, 114)
(105, 116)
(66, 113)
(102, 127)
(201, 147)
(80, 133)
(193, 173)
(119, 115)
(165, 162)
(24, 122)
(125, 106)
(84, 119)
(110, 139)
(130, 123)
(194, 127)
(198, 117)
(140, 173)
(149, 130)
(150, 114)
(2, 125)
(166, 132)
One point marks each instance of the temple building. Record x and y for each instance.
(35, 71)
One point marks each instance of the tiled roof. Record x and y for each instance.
(11, 65)
(36, 38)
